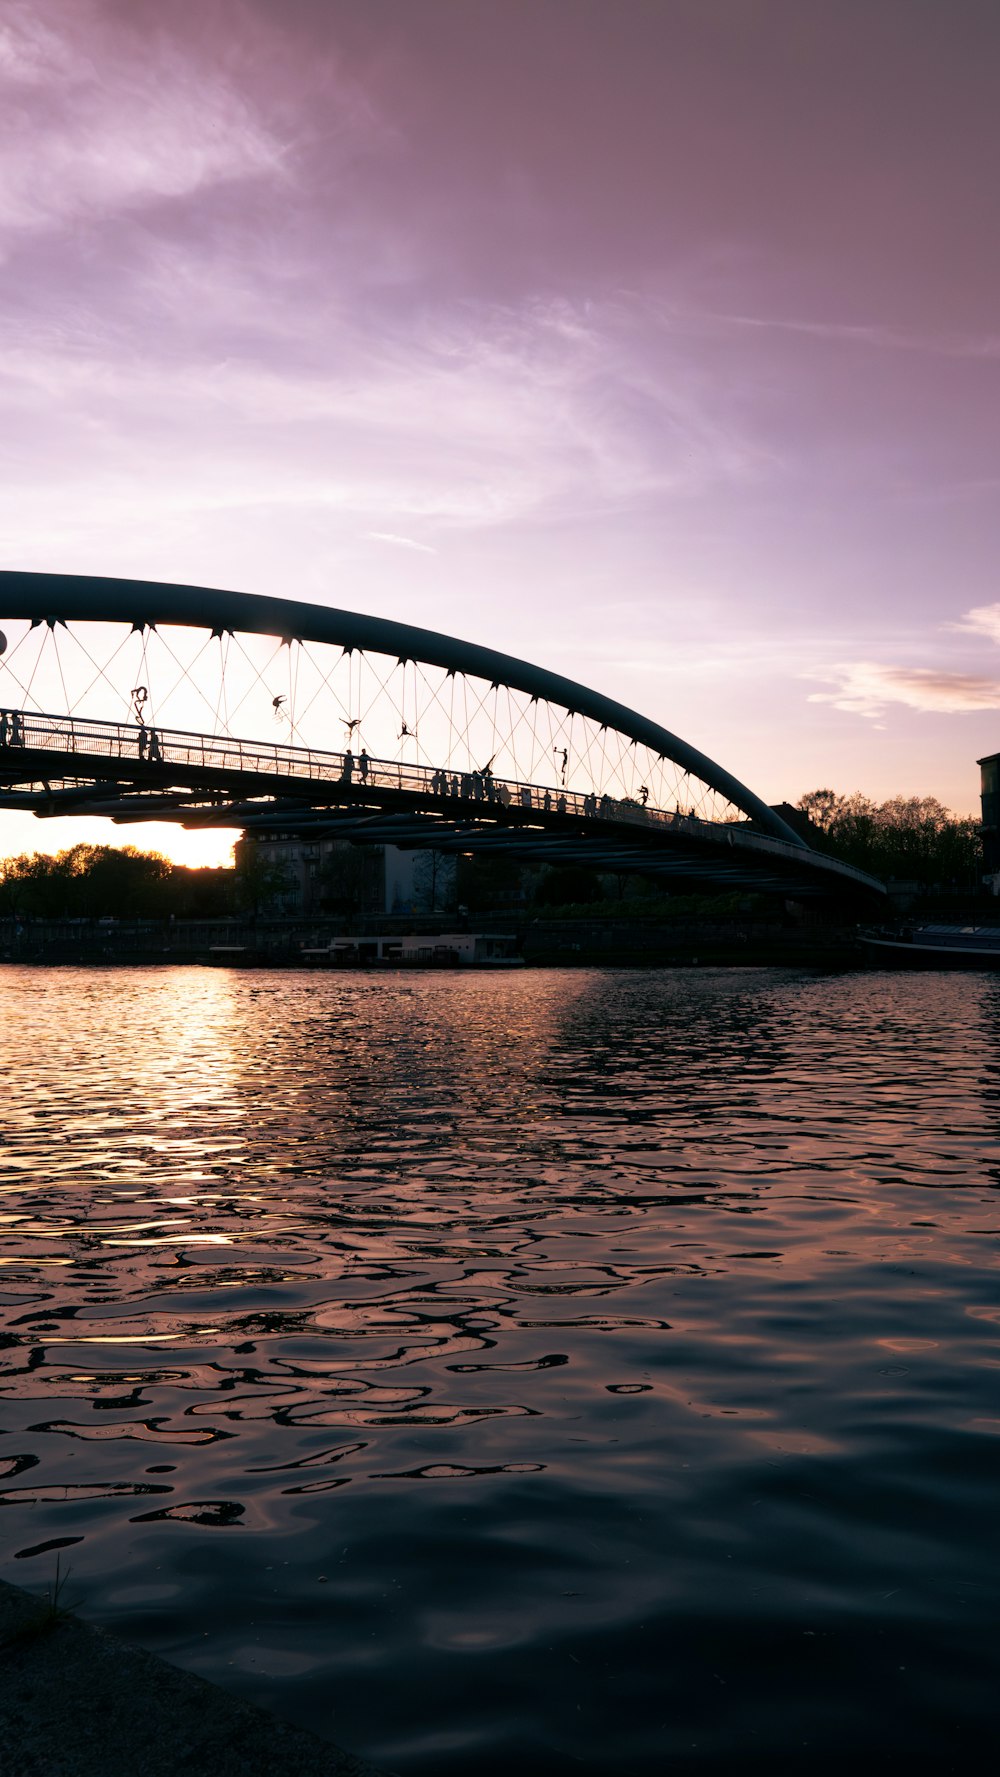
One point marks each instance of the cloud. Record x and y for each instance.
(306, 352)
(982, 620)
(864, 688)
(32, 54)
(871, 335)
(400, 542)
(96, 122)
(471, 415)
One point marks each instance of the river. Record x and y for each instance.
(558, 1371)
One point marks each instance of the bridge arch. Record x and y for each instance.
(63, 598)
(477, 749)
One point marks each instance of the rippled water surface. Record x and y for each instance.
(571, 1372)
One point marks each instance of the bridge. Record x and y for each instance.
(138, 700)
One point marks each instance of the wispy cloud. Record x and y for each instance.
(982, 620)
(472, 416)
(400, 542)
(871, 335)
(865, 688)
(92, 125)
(302, 353)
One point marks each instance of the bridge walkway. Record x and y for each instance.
(51, 745)
(79, 765)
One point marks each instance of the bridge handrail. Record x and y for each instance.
(174, 746)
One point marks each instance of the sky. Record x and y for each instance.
(656, 341)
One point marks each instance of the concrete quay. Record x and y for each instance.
(78, 1702)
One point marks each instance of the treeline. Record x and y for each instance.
(913, 839)
(909, 838)
(112, 882)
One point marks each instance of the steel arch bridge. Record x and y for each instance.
(139, 701)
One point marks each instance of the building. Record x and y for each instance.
(989, 769)
(291, 873)
(798, 820)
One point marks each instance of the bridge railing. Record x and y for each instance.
(131, 745)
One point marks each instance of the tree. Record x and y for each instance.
(15, 888)
(820, 806)
(914, 838)
(116, 881)
(87, 882)
(202, 891)
(491, 883)
(567, 885)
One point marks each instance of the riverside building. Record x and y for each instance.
(990, 791)
(296, 874)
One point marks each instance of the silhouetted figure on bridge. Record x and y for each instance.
(565, 762)
(143, 740)
(363, 766)
(3, 728)
(547, 802)
(348, 772)
(153, 752)
(644, 794)
(16, 730)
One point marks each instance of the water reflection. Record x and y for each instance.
(591, 1340)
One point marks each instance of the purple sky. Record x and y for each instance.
(654, 340)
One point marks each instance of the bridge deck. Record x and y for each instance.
(146, 773)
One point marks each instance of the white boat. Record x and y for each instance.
(935, 947)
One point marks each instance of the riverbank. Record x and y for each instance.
(77, 1702)
(606, 940)
(403, 941)
(761, 939)
(685, 943)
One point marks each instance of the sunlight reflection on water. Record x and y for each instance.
(566, 1359)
